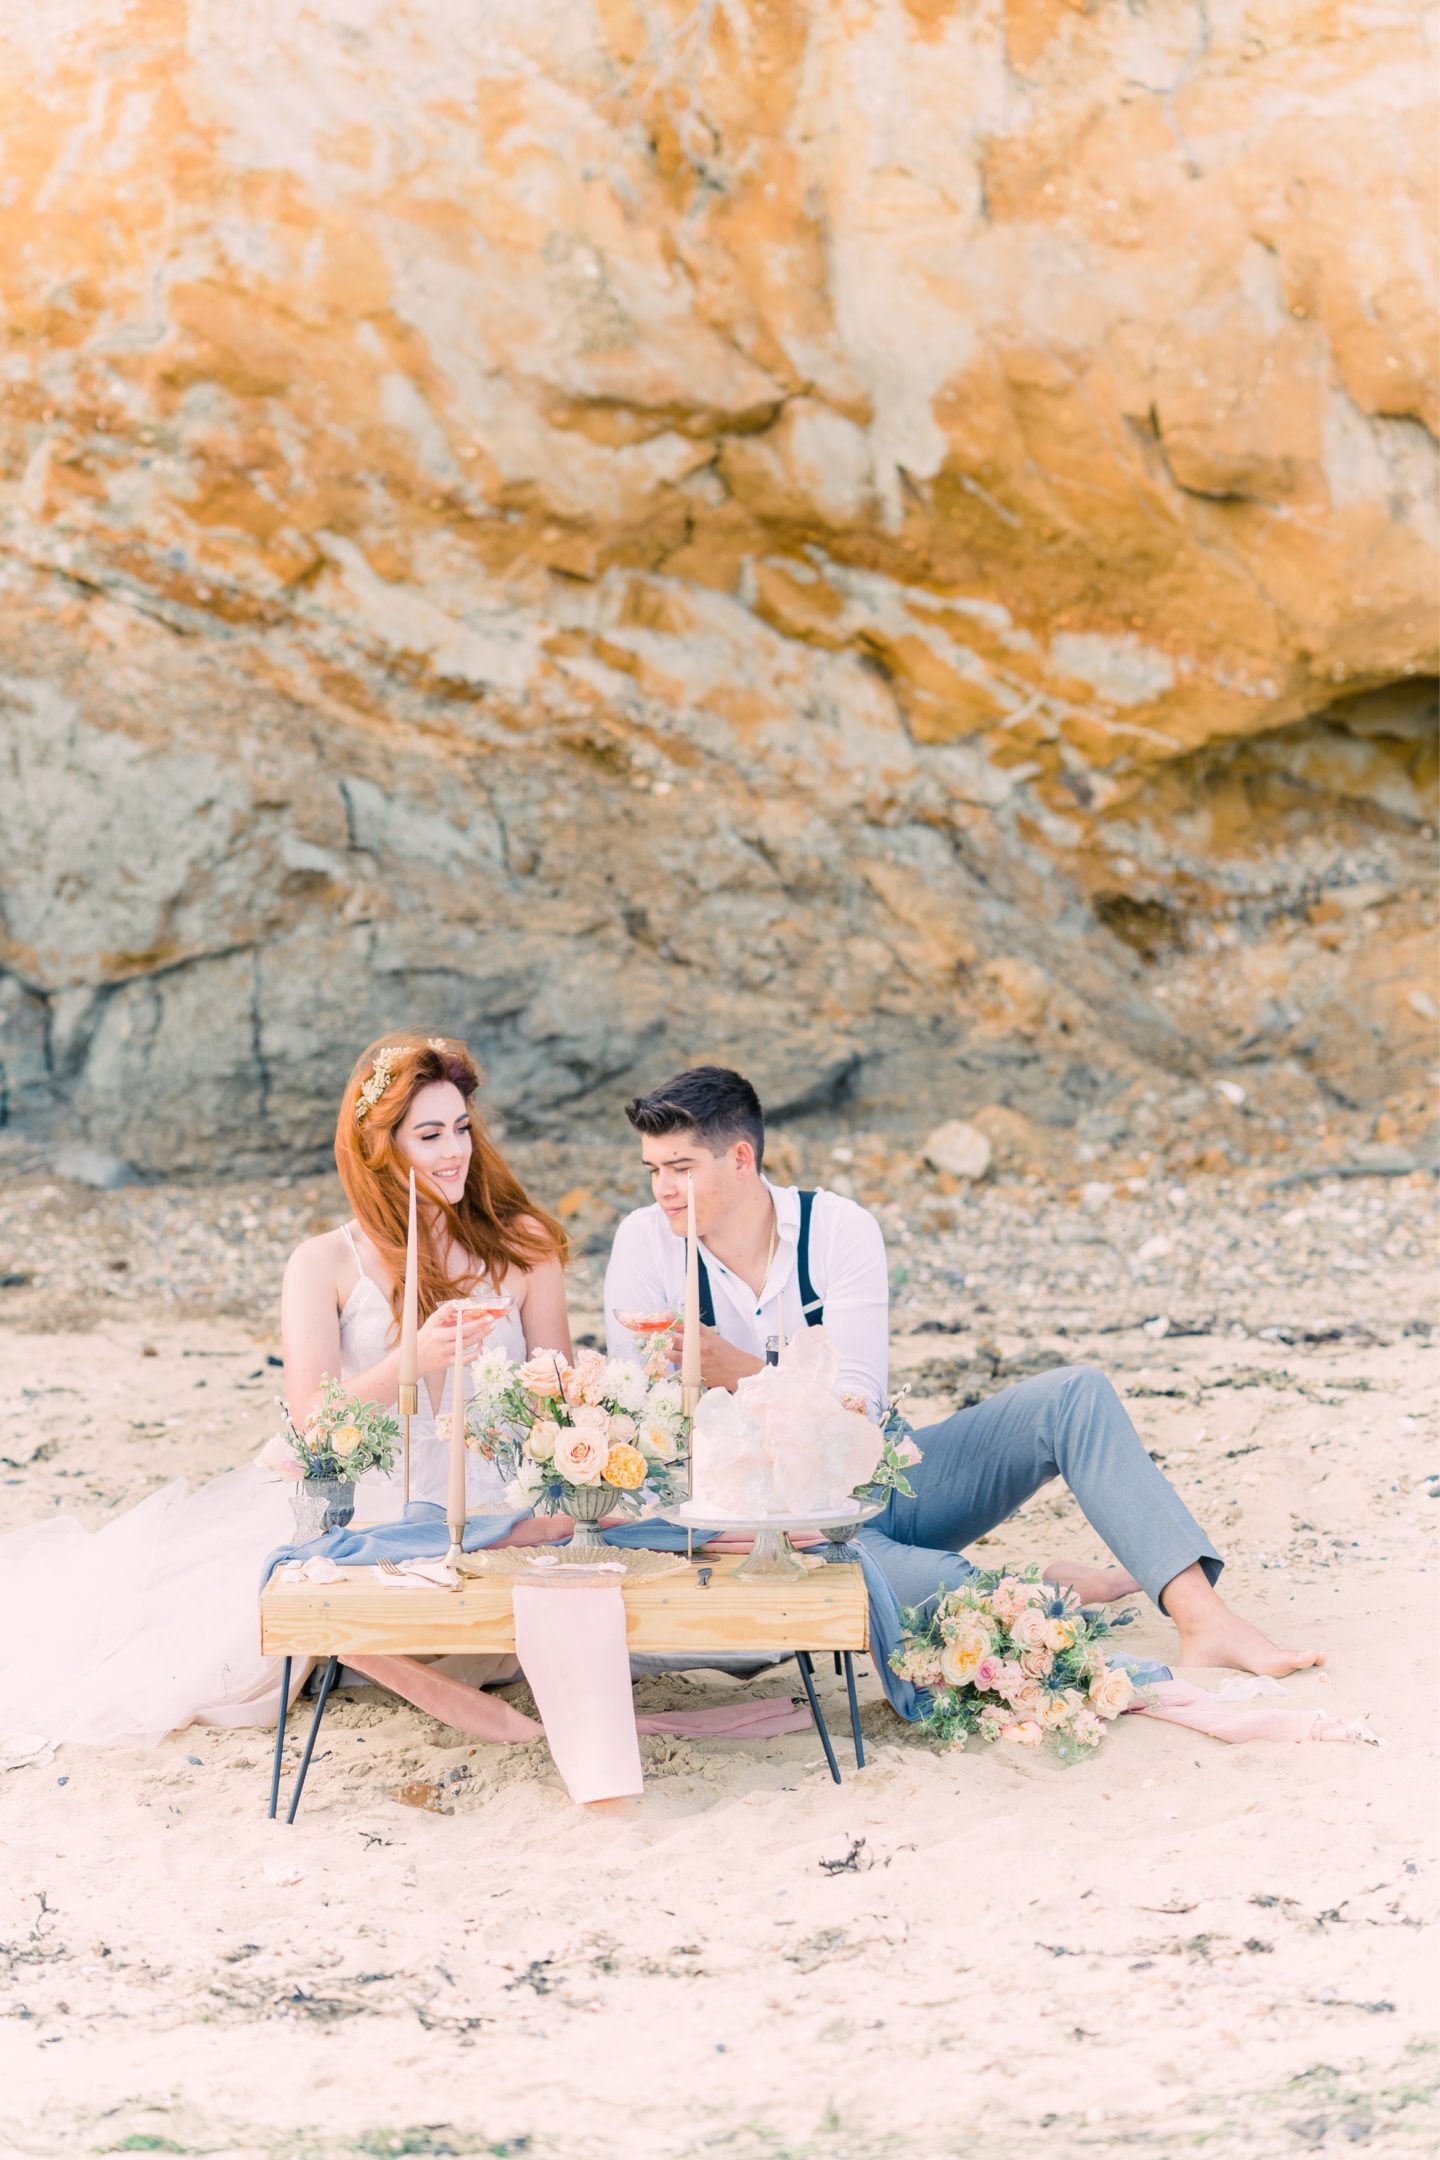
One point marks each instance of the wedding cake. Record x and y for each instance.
(782, 1444)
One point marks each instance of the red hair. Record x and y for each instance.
(494, 1220)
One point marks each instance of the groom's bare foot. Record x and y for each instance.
(1226, 1639)
(1092, 1585)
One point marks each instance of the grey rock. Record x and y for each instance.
(95, 1167)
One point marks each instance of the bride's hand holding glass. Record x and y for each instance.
(435, 1343)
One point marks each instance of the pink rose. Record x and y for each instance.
(1029, 1701)
(987, 1673)
(1029, 1630)
(542, 1372)
(908, 1454)
(579, 1456)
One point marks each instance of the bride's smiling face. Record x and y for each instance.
(433, 1137)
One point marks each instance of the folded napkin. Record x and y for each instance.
(418, 1575)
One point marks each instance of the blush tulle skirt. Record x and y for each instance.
(145, 1625)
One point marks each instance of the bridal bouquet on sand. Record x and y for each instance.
(1012, 1658)
(595, 1438)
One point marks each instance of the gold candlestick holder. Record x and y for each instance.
(409, 1404)
(689, 1403)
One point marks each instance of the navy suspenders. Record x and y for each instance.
(812, 1306)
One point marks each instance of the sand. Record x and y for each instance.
(1176, 1947)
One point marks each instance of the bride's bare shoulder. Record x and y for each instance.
(321, 1258)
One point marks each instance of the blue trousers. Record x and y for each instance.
(983, 1463)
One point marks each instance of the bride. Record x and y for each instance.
(150, 1622)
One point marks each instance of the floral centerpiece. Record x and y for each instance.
(1009, 1657)
(596, 1438)
(343, 1437)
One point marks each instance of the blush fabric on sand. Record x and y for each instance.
(1224, 1717)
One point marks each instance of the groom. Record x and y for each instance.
(769, 1253)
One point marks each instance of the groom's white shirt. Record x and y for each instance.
(847, 1268)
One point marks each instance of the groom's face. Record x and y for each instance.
(674, 1158)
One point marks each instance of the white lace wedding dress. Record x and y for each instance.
(151, 1622)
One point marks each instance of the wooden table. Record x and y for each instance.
(698, 1609)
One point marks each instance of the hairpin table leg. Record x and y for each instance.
(280, 1738)
(326, 1684)
(807, 1674)
(838, 1667)
(854, 1711)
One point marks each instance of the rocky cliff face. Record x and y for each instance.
(891, 542)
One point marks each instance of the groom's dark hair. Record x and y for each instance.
(718, 1105)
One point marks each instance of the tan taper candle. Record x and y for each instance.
(690, 1382)
(455, 1501)
(410, 1317)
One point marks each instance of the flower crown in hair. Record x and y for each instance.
(383, 1072)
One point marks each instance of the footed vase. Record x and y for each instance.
(322, 1504)
(587, 1504)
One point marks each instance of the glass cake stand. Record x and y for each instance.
(773, 1558)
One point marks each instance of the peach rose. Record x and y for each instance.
(1025, 1734)
(1029, 1700)
(345, 1439)
(1036, 1664)
(579, 1456)
(656, 1440)
(544, 1439)
(542, 1374)
(1108, 1697)
(1059, 1635)
(624, 1467)
(1030, 1629)
(968, 1643)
